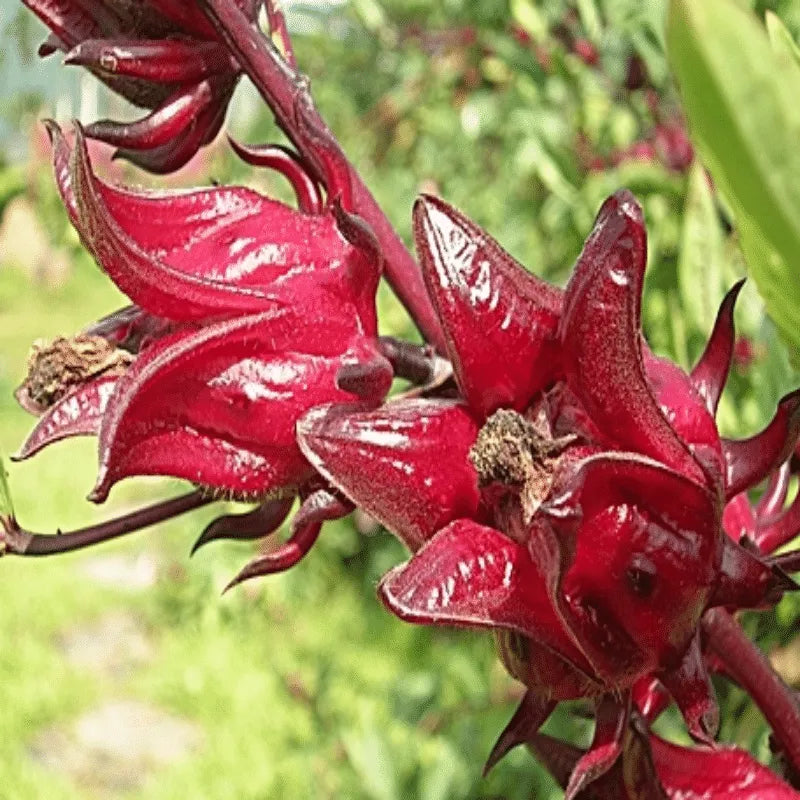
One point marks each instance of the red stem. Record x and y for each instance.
(749, 667)
(280, 86)
(17, 541)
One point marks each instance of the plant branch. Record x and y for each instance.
(283, 88)
(15, 540)
(749, 667)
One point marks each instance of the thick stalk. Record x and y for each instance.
(280, 86)
(18, 541)
(749, 667)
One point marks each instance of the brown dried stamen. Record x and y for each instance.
(513, 451)
(55, 369)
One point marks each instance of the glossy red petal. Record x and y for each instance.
(600, 331)
(160, 60)
(530, 715)
(193, 255)
(473, 576)
(721, 774)
(711, 371)
(499, 320)
(76, 414)
(218, 406)
(406, 464)
(692, 690)
(611, 720)
(749, 461)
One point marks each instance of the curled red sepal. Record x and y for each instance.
(601, 337)
(78, 413)
(781, 530)
(162, 125)
(473, 576)
(691, 688)
(745, 580)
(406, 464)
(290, 165)
(218, 406)
(320, 506)
(611, 721)
(771, 503)
(173, 155)
(194, 255)
(530, 715)
(261, 521)
(499, 320)
(749, 461)
(159, 60)
(711, 370)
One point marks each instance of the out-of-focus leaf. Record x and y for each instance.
(741, 101)
(781, 39)
(701, 281)
(371, 758)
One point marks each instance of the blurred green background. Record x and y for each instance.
(123, 673)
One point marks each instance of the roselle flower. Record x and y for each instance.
(246, 314)
(572, 502)
(161, 55)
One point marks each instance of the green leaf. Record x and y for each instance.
(701, 279)
(782, 41)
(741, 100)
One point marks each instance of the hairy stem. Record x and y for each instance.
(281, 86)
(15, 540)
(749, 667)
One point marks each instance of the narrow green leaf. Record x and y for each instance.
(741, 100)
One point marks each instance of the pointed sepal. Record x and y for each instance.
(691, 688)
(531, 714)
(261, 521)
(711, 370)
(488, 305)
(601, 335)
(406, 464)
